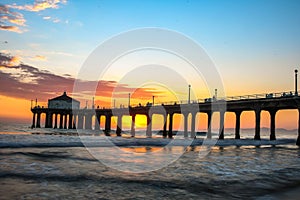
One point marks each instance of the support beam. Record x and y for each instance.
(221, 126)
(65, 121)
(33, 120)
(61, 118)
(209, 116)
(70, 121)
(149, 126)
(193, 125)
(170, 133)
(74, 121)
(133, 126)
(38, 120)
(298, 139)
(119, 125)
(80, 121)
(185, 116)
(107, 125)
(165, 126)
(97, 121)
(257, 124)
(47, 120)
(55, 120)
(50, 120)
(272, 124)
(88, 122)
(237, 124)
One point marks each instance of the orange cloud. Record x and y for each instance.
(15, 60)
(11, 28)
(10, 21)
(39, 5)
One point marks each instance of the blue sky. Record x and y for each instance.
(257, 39)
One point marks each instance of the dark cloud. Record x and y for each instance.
(28, 82)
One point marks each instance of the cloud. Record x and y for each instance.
(11, 21)
(47, 17)
(39, 58)
(39, 5)
(54, 20)
(23, 81)
(15, 60)
(11, 28)
(8, 61)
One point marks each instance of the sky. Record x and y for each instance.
(254, 44)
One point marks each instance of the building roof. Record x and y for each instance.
(64, 97)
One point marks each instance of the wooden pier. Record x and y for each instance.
(82, 118)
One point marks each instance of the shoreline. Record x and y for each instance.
(61, 140)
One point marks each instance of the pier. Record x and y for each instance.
(82, 118)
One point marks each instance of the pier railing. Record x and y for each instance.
(236, 98)
(212, 99)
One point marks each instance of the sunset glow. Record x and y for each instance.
(44, 44)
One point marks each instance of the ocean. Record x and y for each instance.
(59, 164)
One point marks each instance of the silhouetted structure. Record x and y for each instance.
(82, 118)
(63, 102)
(59, 106)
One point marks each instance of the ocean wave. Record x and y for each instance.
(19, 141)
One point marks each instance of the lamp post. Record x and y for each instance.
(93, 105)
(31, 104)
(152, 100)
(128, 100)
(296, 77)
(189, 99)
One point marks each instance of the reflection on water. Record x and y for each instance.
(226, 172)
(59, 167)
